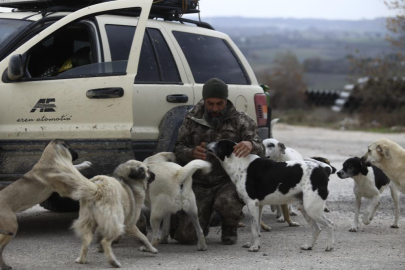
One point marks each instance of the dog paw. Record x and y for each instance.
(329, 248)
(144, 249)
(366, 221)
(353, 229)
(246, 245)
(293, 224)
(265, 227)
(202, 247)
(115, 264)
(254, 248)
(280, 219)
(83, 165)
(87, 164)
(394, 226)
(293, 213)
(306, 247)
(80, 260)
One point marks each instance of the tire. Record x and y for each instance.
(56, 203)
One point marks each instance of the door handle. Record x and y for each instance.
(177, 98)
(102, 93)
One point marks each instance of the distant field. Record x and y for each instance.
(312, 80)
(326, 81)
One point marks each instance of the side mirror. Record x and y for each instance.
(15, 67)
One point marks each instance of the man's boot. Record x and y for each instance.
(229, 235)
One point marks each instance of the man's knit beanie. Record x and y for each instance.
(215, 88)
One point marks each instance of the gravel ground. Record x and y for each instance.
(45, 241)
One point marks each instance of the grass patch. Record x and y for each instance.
(326, 118)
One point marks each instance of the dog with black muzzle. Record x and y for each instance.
(110, 207)
(260, 181)
(368, 183)
(31, 189)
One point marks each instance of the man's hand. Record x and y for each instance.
(199, 152)
(243, 149)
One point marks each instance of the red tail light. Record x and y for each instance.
(261, 109)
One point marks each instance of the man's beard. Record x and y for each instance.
(215, 121)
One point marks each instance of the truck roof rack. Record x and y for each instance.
(160, 8)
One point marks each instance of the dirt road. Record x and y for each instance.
(44, 240)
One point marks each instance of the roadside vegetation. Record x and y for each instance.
(292, 56)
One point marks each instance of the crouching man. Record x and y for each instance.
(212, 119)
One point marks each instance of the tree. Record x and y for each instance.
(286, 83)
(383, 95)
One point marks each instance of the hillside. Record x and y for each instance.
(329, 42)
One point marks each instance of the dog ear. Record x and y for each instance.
(137, 173)
(282, 147)
(363, 169)
(383, 150)
(386, 151)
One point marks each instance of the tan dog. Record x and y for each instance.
(390, 158)
(30, 190)
(110, 206)
(172, 192)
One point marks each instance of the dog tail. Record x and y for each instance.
(89, 190)
(323, 162)
(191, 167)
(6, 232)
(82, 188)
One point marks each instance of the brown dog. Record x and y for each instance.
(30, 189)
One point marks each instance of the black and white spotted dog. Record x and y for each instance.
(260, 182)
(368, 183)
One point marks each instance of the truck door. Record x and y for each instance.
(162, 91)
(68, 90)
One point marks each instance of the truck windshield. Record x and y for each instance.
(10, 28)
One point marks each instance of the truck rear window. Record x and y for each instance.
(211, 57)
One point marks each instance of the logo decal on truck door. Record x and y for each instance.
(44, 105)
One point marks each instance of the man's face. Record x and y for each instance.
(215, 111)
(214, 106)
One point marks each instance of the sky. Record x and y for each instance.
(300, 9)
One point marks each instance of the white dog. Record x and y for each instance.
(109, 206)
(260, 182)
(369, 184)
(390, 158)
(277, 151)
(170, 192)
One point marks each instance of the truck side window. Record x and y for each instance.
(169, 69)
(211, 57)
(66, 49)
(156, 63)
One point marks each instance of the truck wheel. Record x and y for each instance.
(56, 203)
